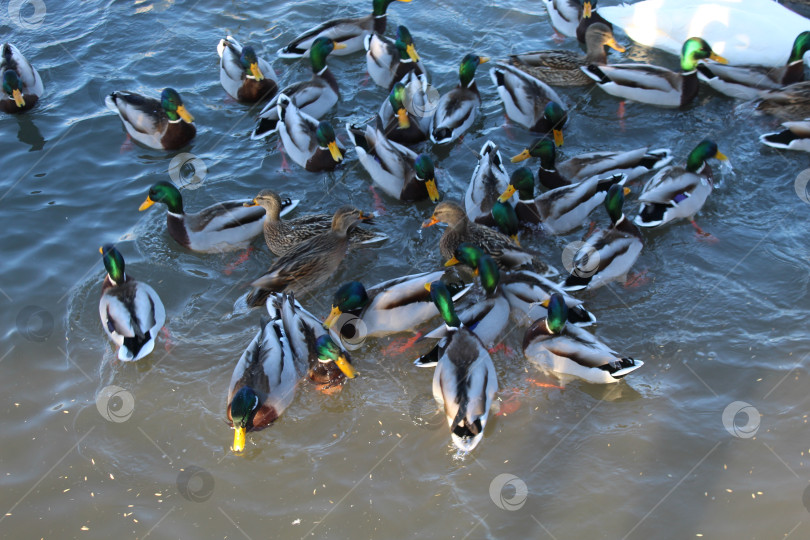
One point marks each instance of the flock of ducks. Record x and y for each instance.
(494, 278)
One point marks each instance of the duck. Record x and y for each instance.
(568, 350)
(607, 254)
(263, 382)
(656, 85)
(529, 101)
(506, 220)
(309, 143)
(399, 171)
(243, 75)
(283, 235)
(315, 97)
(464, 381)
(562, 209)
(224, 226)
(457, 109)
(589, 18)
(131, 311)
(388, 61)
(488, 181)
(562, 67)
(788, 104)
(630, 163)
(747, 81)
(22, 85)
(162, 125)
(795, 136)
(564, 15)
(348, 32)
(309, 263)
(676, 191)
(421, 100)
(399, 124)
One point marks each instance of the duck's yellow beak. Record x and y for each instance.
(101, 250)
(402, 118)
(452, 261)
(718, 58)
(506, 195)
(146, 204)
(333, 316)
(238, 439)
(256, 72)
(343, 363)
(251, 203)
(483, 59)
(411, 50)
(514, 238)
(184, 114)
(18, 97)
(587, 10)
(721, 156)
(339, 45)
(614, 45)
(427, 285)
(626, 191)
(335, 151)
(521, 156)
(433, 191)
(558, 137)
(431, 222)
(545, 302)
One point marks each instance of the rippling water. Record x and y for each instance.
(716, 323)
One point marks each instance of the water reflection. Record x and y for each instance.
(29, 133)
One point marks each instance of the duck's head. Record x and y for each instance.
(405, 45)
(800, 46)
(543, 149)
(424, 171)
(468, 254)
(696, 49)
(397, 100)
(250, 62)
(466, 71)
(598, 35)
(329, 352)
(113, 263)
(173, 105)
(321, 48)
(166, 193)
(703, 151)
(489, 273)
(506, 219)
(522, 181)
(244, 405)
(556, 117)
(443, 299)
(381, 6)
(350, 297)
(269, 200)
(557, 313)
(325, 135)
(345, 217)
(446, 212)
(13, 87)
(614, 200)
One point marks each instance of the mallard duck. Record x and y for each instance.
(678, 192)
(309, 143)
(589, 18)
(562, 209)
(421, 100)
(530, 102)
(564, 15)
(789, 103)
(282, 235)
(388, 61)
(488, 181)
(314, 97)
(795, 136)
(506, 220)
(655, 85)
(631, 163)
(245, 76)
(223, 226)
(568, 350)
(456, 109)
(164, 124)
(747, 81)
(561, 67)
(263, 382)
(398, 170)
(348, 32)
(607, 254)
(400, 125)
(22, 85)
(308, 263)
(131, 312)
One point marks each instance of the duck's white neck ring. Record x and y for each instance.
(176, 121)
(619, 221)
(321, 72)
(178, 216)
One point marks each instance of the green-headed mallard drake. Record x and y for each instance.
(22, 85)
(464, 381)
(388, 61)
(748, 81)
(562, 67)
(676, 191)
(562, 209)
(399, 171)
(309, 263)
(309, 143)
(350, 33)
(530, 102)
(655, 85)
(457, 109)
(131, 312)
(420, 103)
(283, 235)
(163, 125)
(223, 226)
(399, 124)
(789, 103)
(631, 163)
(263, 382)
(795, 136)
(506, 220)
(315, 97)
(245, 76)
(568, 350)
(589, 18)
(488, 181)
(607, 254)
